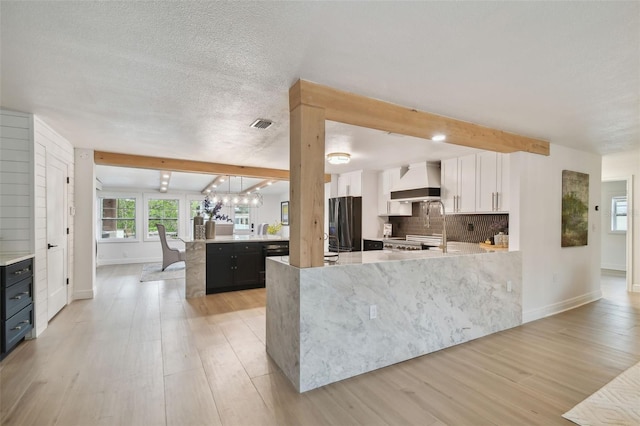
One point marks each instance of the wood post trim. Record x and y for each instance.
(306, 187)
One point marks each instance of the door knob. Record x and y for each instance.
(49, 246)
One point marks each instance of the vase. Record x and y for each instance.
(197, 221)
(210, 230)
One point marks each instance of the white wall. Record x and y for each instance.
(16, 182)
(85, 229)
(613, 243)
(554, 278)
(48, 141)
(144, 250)
(624, 165)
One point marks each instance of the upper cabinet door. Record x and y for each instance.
(487, 181)
(504, 179)
(467, 184)
(449, 184)
(493, 182)
(350, 184)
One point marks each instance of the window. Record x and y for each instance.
(117, 218)
(619, 213)
(164, 212)
(241, 217)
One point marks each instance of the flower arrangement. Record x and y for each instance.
(501, 225)
(212, 209)
(274, 229)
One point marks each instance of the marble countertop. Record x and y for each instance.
(377, 256)
(7, 259)
(241, 238)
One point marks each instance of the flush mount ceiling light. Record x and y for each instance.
(438, 138)
(338, 158)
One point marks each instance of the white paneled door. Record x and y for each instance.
(56, 235)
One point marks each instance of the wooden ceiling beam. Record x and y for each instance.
(371, 113)
(258, 186)
(189, 166)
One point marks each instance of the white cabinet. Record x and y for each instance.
(458, 188)
(492, 171)
(362, 183)
(477, 183)
(350, 184)
(386, 180)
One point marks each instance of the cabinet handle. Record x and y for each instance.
(19, 296)
(21, 271)
(19, 327)
(497, 201)
(493, 201)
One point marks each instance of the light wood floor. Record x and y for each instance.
(140, 354)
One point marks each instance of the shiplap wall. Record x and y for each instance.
(48, 141)
(16, 165)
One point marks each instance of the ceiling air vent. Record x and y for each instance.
(261, 123)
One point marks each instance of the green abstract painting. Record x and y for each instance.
(575, 208)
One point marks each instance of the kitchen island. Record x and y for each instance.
(228, 262)
(377, 308)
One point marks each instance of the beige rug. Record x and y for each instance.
(154, 272)
(617, 403)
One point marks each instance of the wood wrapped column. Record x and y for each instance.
(306, 187)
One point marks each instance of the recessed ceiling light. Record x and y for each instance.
(165, 175)
(438, 138)
(269, 183)
(221, 179)
(338, 158)
(164, 182)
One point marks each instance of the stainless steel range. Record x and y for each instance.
(413, 242)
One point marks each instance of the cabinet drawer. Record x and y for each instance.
(220, 248)
(16, 327)
(17, 297)
(17, 272)
(248, 248)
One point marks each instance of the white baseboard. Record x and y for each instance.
(635, 288)
(83, 294)
(127, 260)
(613, 266)
(556, 308)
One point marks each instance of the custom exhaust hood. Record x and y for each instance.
(420, 182)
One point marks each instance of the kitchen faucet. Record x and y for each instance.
(444, 222)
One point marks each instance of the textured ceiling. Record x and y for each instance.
(185, 79)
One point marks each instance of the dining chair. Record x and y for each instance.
(169, 255)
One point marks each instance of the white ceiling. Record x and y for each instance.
(186, 79)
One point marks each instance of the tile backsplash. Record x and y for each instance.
(470, 228)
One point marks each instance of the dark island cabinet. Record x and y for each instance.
(233, 266)
(16, 303)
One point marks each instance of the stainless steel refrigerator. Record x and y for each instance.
(345, 224)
